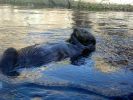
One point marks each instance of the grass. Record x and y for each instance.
(104, 7)
(69, 4)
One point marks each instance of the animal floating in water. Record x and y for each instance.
(80, 43)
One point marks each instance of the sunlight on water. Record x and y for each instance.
(104, 66)
(14, 22)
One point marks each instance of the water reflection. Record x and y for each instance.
(103, 75)
(81, 19)
(20, 22)
(114, 34)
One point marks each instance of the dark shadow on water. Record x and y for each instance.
(33, 90)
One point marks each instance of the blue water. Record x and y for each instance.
(106, 75)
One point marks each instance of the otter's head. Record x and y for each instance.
(85, 38)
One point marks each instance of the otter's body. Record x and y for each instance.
(81, 42)
(38, 55)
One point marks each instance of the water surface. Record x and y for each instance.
(107, 74)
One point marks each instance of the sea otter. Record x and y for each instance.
(81, 43)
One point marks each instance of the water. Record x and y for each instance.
(107, 74)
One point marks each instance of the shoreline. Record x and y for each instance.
(76, 5)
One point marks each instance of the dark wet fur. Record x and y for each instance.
(8, 61)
